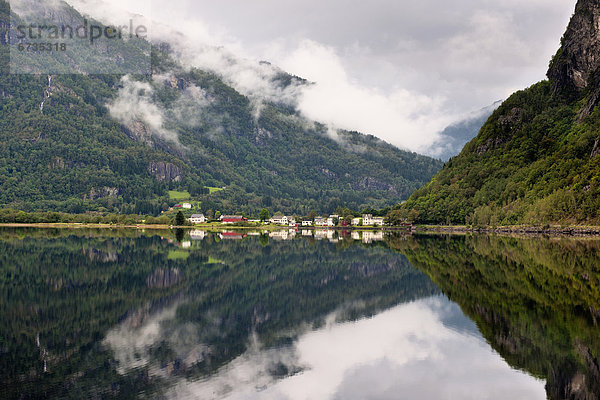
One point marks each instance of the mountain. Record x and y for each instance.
(536, 160)
(120, 142)
(458, 134)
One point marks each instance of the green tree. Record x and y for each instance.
(179, 219)
(264, 215)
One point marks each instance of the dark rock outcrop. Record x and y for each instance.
(99, 193)
(576, 66)
(163, 171)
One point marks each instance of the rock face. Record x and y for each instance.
(99, 193)
(576, 65)
(165, 172)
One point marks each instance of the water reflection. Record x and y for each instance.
(300, 314)
(426, 349)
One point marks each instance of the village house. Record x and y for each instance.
(197, 219)
(279, 220)
(186, 206)
(232, 219)
(283, 220)
(369, 220)
(307, 223)
(331, 221)
(355, 221)
(320, 221)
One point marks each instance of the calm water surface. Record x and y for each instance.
(297, 315)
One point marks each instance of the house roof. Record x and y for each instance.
(197, 216)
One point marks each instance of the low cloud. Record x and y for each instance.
(401, 71)
(401, 117)
(134, 105)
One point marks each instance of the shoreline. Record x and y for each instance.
(68, 225)
(568, 230)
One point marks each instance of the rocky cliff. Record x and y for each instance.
(574, 69)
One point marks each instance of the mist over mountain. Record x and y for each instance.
(119, 142)
(458, 134)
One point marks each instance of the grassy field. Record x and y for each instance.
(213, 189)
(175, 195)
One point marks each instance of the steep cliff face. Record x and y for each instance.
(575, 67)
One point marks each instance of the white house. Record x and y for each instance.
(378, 221)
(331, 220)
(280, 220)
(307, 223)
(369, 220)
(355, 221)
(283, 220)
(197, 219)
(320, 221)
(187, 206)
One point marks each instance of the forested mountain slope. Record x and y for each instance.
(536, 160)
(121, 142)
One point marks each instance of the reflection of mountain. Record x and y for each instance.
(193, 314)
(535, 300)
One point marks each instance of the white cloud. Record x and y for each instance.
(398, 70)
(402, 118)
(134, 105)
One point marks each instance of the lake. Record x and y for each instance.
(129, 314)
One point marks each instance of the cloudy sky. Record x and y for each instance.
(401, 70)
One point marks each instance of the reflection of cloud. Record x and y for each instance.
(418, 350)
(132, 341)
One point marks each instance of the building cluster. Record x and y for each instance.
(284, 220)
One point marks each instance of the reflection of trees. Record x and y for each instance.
(71, 290)
(536, 301)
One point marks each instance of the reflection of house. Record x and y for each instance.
(320, 221)
(324, 234)
(283, 235)
(368, 237)
(307, 223)
(186, 245)
(197, 219)
(197, 234)
(355, 235)
(231, 235)
(369, 220)
(307, 232)
(232, 219)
